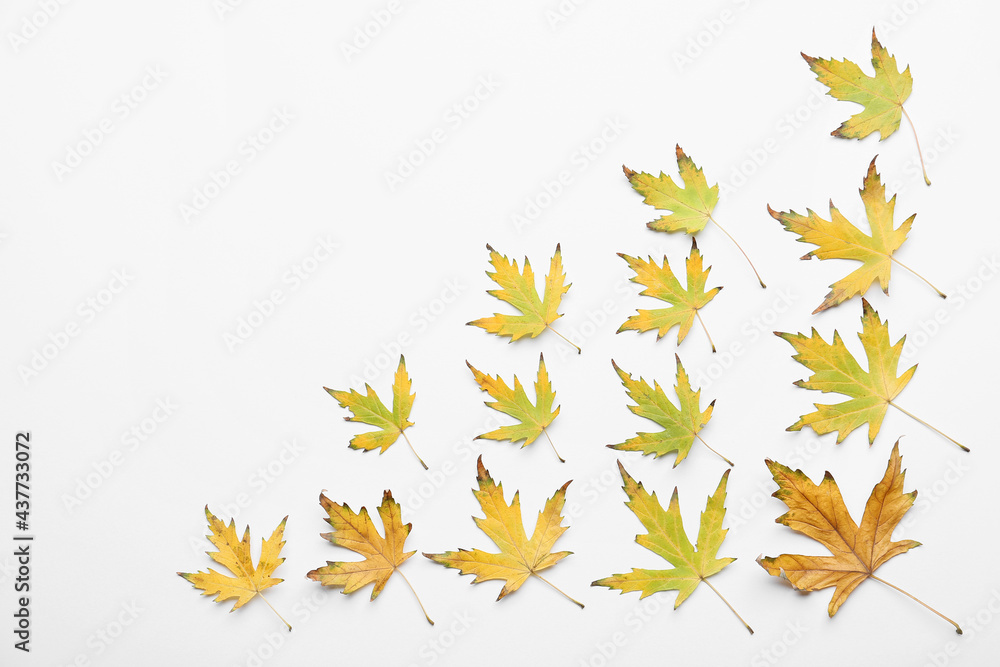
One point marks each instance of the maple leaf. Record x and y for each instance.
(519, 557)
(234, 554)
(357, 532)
(882, 95)
(661, 283)
(518, 289)
(837, 238)
(667, 539)
(369, 409)
(690, 205)
(834, 369)
(818, 511)
(533, 418)
(680, 425)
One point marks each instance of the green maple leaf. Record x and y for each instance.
(690, 205)
(369, 409)
(661, 283)
(882, 95)
(870, 393)
(680, 425)
(533, 417)
(667, 539)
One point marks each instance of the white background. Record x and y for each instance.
(558, 86)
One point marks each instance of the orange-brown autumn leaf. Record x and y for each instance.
(519, 557)
(357, 532)
(818, 511)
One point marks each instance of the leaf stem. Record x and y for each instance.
(741, 250)
(578, 350)
(576, 602)
(919, 152)
(958, 628)
(940, 293)
(727, 604)
(275, 611)
(913, 416)
(413, 450)
(561, 459)
(415, 595)
(710, 341)
(714, 452)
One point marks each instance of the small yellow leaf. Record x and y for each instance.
(518, 289)
(234, 554)
(519, 557)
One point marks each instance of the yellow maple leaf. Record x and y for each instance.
(837, 238)
(661, 283)
(357, 532)
(533, 418)
(234, 554)
(667, 539)
(519, 557)
(818, 511)
(882, 95)
(518, 289)
(835, 369)
(690, 205)
(369, 409)
(680, 425)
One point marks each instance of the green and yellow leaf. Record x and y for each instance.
(881, 96)
(533, 418)
(667, 539)
(369, 409)
(837, 238)
(681, 425)
(835, 369)
(518, 289)
(661, 283)
(690, 204)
